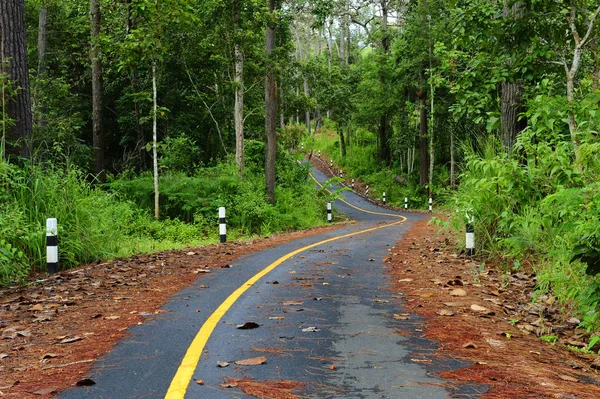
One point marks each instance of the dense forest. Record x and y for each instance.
(131, 121)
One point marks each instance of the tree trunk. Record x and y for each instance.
(342, 144)
(596, 72)
(307, 112)
(510, 91)
(452, 158)
(155, 141)
(423, 139)
(384, 155)
(42, 62)
(13, 62)
(348, 137)
(270, 107)
(97, 94)
(342, 40)
(238, 113)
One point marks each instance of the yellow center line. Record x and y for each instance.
(186, 369)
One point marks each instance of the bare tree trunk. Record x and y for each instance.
(596, 72)
(342, 144)
(423, 139)
(452, 158)
(510, 91)
(97, 94)
(342, 40)
(572, 71)
(42, 61)
(155, 140)
(307, 112)
(270, 108)
(13, 60)
(238, 113)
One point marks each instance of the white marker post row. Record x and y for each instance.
(329, 216)
(51, 245)
(222, 225)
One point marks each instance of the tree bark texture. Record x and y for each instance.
(342, 143)
(42, 42)
(307, 112)
(238, 112)
(155, 141)
(97, 94)
(423, 139)
(270, 108)
(510, 91)
(13, 62)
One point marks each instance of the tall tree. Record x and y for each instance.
(270, 104)
(238, 114)
(13, 61)
(97, 93)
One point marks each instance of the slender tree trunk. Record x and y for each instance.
(97, 94)
(384, 120)
(596, 72)
(270, 107)
(510, 91)
(13, 60)
(307, 112)
(423, 139)
(155, 140)
(281, 107)
(452, 158)
(342, 40)
(42, 62)
(238, 113)
(342, 143)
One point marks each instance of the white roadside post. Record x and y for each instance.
(430, 204)
(405, 202)
(384, 198)
(329, 216)
(341, 174)
(470, 236)
(222, 225)
(319, 153)
(352, 184)
(331, 163)
(51, 245)
(367, 191)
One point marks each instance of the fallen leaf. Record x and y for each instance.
(36, 308)
(494, 343)
(458, 292)
(190, 253)
(451, 304)
(470, 345)
(3, 355)
(247, 326)
(86, 382)
(311, 329)
(48, 356)
(565, 377)
(292, 303)
(222, 364)
(333, 367)
(255, 361)
(596, 364)
(200, 382)
(112, 317)
(426, 295)
(405, 280)
(574, 321)
(70, 340)
(445, 312)
(277, 318)
(201, 271)
(229, 385)
(480, 309)
(401, 317)
(380, 301)
(45, 391)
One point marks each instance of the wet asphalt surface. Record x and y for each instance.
(340, 289)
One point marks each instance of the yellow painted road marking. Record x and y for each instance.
(186, 369)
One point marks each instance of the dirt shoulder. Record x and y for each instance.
(51, 331)
(490, 320)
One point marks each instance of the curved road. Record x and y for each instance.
(325, 316)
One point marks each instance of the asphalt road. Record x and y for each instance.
(325, 318)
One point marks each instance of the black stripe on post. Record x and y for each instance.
(51, 241)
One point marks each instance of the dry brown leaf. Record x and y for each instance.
(255, 361)
(249, 325)
(565, 377)
(405, 280)
(445, 312)
(293, 303)
(45, 391)
(222, 364)
(112, 317)
(458, 292)
(70, 340)
(200, 382)
(470, 345)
